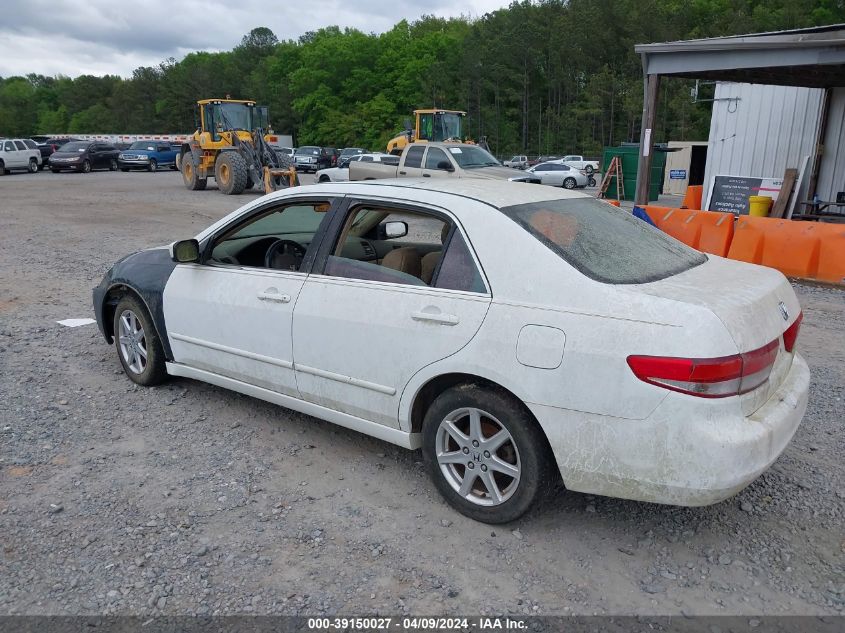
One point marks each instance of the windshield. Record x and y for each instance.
(74, 147)
(447, 126)
(143, 145)
(309, 151)
(603, 242)
(472, 156)
(234, 116)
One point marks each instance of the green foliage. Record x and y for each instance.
(539, 77)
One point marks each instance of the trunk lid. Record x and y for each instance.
(756, 304)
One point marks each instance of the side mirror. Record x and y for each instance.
(185, 251)
(393, 230)
(445, 165)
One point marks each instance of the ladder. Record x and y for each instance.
(614, 169)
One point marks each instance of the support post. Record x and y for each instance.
(652, 88)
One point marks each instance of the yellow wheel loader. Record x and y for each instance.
(439, 126)
(232, 145)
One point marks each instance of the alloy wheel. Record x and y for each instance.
(478, 456)
(132, 341)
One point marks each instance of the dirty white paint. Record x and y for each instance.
(354, 352)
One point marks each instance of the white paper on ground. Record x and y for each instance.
(75, 322)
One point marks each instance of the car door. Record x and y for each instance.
(19, 154)
(230, 313)
(412, 167)
(364, 324)
(433, 166)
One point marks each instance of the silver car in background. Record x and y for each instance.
(556, 174)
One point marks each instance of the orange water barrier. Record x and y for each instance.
(809, 250)
(692, 198)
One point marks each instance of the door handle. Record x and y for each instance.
(402, 173)
(274, 296)
(435, 317)
(426, 175)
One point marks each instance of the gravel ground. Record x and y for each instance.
(189, 499)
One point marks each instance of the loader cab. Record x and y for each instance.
(439, 125)
(219, 115)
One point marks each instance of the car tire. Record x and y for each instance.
(113, 165)
(55, 171)
(324, 178)
(589, 169)
(569, 183)
(134, 336)
(153, 165)
(190, 178)
(32, 167)
(124, 169)
(86, 166)
(230, 172)
(456, 427)
(3, 171)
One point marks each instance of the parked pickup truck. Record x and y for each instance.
(437, 160)
(517, 162)
(578, 162)
(149, 155)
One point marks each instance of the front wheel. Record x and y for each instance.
(153, 165)
(486, 454)
(589, 169)
(113, 165)
(569, 183)
(138, 345)
(230, 172)
(86, 167)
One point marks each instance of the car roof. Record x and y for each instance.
(496, 193)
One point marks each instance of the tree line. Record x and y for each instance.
(537, 77)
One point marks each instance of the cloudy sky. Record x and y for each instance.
(75, 37)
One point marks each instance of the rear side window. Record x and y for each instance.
(30, 144)
(20, 145)
(603, 242)
(414, 156)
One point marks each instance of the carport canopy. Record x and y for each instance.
(810, 58)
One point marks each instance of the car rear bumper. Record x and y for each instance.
(685, 453)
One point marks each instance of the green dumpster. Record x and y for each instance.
(630, 155)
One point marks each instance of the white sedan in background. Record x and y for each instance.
(341, 174)
(518, 335)
(556, 174)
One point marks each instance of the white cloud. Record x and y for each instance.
(98, 37)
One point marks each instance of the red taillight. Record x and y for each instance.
(790, 335)
(708, 377)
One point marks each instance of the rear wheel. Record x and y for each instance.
(138, 346)
(230, 172)
(33, 165)
(153, 165)
(589, 169)
(189, 175)
(486, 454)
(113, 164)
(569, 183)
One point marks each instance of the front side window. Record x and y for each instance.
(277, 238)
(434, 157)
(605, 243)
(9, 146)
(401, 247)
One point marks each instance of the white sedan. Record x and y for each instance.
(556, 174)
(517, 334)
(341, 174)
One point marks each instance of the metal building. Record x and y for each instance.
(777, 127)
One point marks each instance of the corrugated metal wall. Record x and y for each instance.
(769, 129)
(832, 169)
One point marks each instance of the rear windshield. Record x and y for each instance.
(313, 151)
(603, 242)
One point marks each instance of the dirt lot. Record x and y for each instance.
(188, 499)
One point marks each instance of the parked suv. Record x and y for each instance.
(84, 156)
(149, 155)
(14, 154)
(311, 158)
